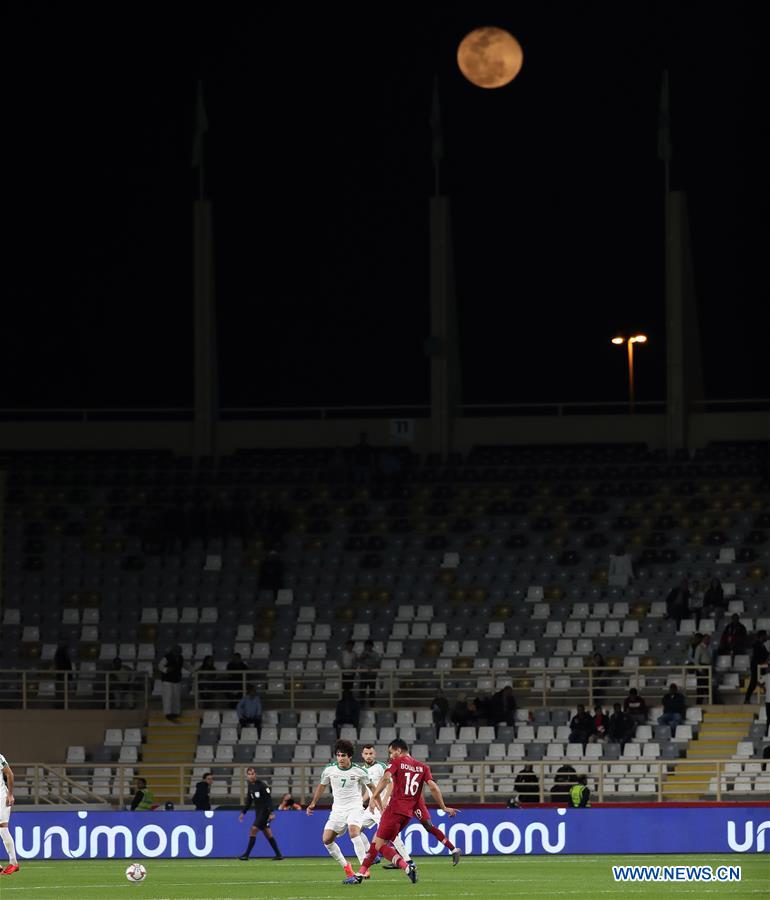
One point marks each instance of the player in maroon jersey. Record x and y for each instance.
(422, 814)
(407, 776)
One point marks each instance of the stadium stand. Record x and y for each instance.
(487, 571)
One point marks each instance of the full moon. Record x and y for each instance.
(490, 57)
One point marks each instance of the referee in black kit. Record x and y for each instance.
(258, 793)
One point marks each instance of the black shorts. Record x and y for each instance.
(262, 819)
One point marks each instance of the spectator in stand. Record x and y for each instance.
(601, 723)
(581, 728)
(61, 659)
(440, 709)
(734, 636)
(527, 785)
(621, 726)
(463, 712)
(201, 799)
(348, 711)
(702, 658)
(503, 707)
(483, 707)
(172, 669)
(249, 708)
(695, 606)
(714, 600)
(635, 706)
(673, 708)
(348, 661)
(621, 570)
(563, 781)
(759, 656)
(235, 684)
(368, 663)
(692, 646)
(678, 602)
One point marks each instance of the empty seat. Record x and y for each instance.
(228, 735)
(113, 737)
(204, 753)
(128, 755)
(224, 753)
(683, 733)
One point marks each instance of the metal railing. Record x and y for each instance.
(478, 782)
(390, 688)
(52, 688)
(396, 688)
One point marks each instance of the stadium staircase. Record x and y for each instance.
(721, 730)
(165, 742)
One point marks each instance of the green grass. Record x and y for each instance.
(321, 879)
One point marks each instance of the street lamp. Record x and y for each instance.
(635, 339)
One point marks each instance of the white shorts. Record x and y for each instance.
(366, 818)
(5, 810)
(339, 820)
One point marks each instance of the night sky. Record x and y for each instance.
(319, 167)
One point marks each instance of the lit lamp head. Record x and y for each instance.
(634, 339)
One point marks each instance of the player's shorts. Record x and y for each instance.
(366, 818)
(262, 819)
(421, 812)
(391, 824)
(339, 819)
(5, 810)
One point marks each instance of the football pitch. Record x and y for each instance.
(318, 879)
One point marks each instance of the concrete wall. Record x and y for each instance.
(42, 736)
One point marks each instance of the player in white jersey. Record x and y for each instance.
(371, 815)
(6, 802)
(348, 784)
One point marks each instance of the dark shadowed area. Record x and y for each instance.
(318, 160)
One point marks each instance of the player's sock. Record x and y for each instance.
(360, 845)
(247, 851)
(440, 836)
(5, 834)
(274, 844)
(395, 858)
(400, 847)
(367, 861)
(334, 851)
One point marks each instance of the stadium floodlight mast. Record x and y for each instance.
(630, 341)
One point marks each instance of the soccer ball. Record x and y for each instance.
(136, 872)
